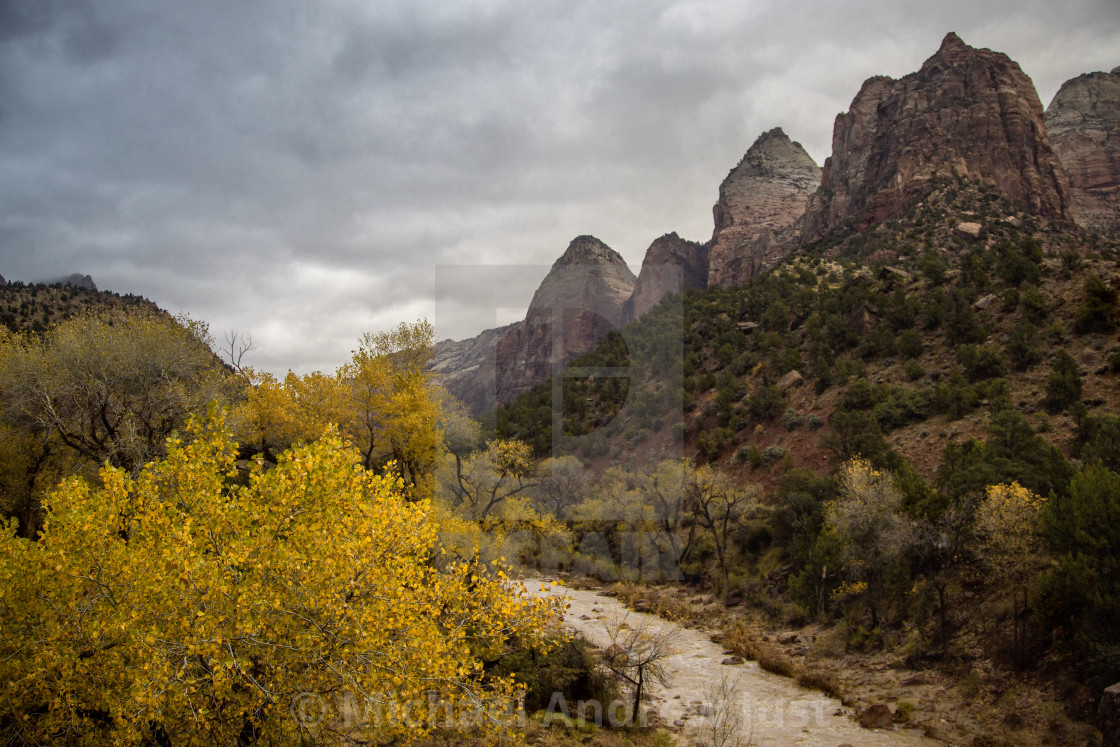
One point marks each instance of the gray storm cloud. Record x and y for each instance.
(304, 170)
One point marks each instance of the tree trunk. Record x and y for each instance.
(637, 698)
(942, 621)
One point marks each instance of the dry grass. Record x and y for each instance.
(820, 679)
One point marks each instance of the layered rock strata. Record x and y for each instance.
(579, 301)
(671, 265)
(1083, 123)
(967, 112)
(759, 204)
(466, 368)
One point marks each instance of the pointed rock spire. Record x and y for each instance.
(967, 112)
(762, 196)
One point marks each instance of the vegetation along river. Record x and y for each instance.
(770, 709)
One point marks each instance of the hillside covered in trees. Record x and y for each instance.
(909, 431)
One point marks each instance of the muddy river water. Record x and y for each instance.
(770, 709)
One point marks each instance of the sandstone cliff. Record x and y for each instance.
(967, 112)
(466, 368)
(579, 301)
(584, 293)
(671, 265)
(759, 202)
(1083, 123)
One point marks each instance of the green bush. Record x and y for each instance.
(899, 407)
(772, 454)
(955, 397)
(1063, 385)
(980, 362)
(934, 267)
(860, 395)
(570, 668)
(1080, 596)
(1098, 313)
(961, 324)
(1099, 441)
(1032, 305)
(1022, 349)
(857, 433)
(766, 403)
(910, 343)
(1114, 361)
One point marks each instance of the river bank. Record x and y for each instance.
(772, 710)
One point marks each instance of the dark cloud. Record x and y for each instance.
(310, 171)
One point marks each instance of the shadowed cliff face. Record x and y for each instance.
(671, 265)
(579, 301)
(466, 368)
(759, 203)
(1083, 123)
(968, 112)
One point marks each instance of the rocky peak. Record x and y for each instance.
(763, 196)
(588, 276)
(967, 112)
(75, 280)
(583, 293)
(579, 301)
(587, 249)
(953, 44)
(1083, 123)
(671, 265)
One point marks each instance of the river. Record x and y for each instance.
(771, 709)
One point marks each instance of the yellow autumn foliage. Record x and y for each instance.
(382, 401)
(1007, 522)
(286, 604)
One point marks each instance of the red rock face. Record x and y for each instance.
(579, 301)
(671, 265)
(1083, 123)
(759, 203)
(968, 112)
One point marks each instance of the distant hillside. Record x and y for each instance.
(936, 290)
(907, 339)
(35, 306)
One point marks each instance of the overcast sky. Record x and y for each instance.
(308, 171)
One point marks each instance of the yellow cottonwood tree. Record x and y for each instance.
(485, 506)
(394, 412)
(383, 401)
(278, 413)
(1011, 544)
(867, 524)
(181, 607)
(100, 386)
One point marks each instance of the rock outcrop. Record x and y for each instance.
(967, 112)
(1109, 716)
(466, 368)
(671, 265)
(579, 301)
(759, 200)
(75, 280)
(1083, 124)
